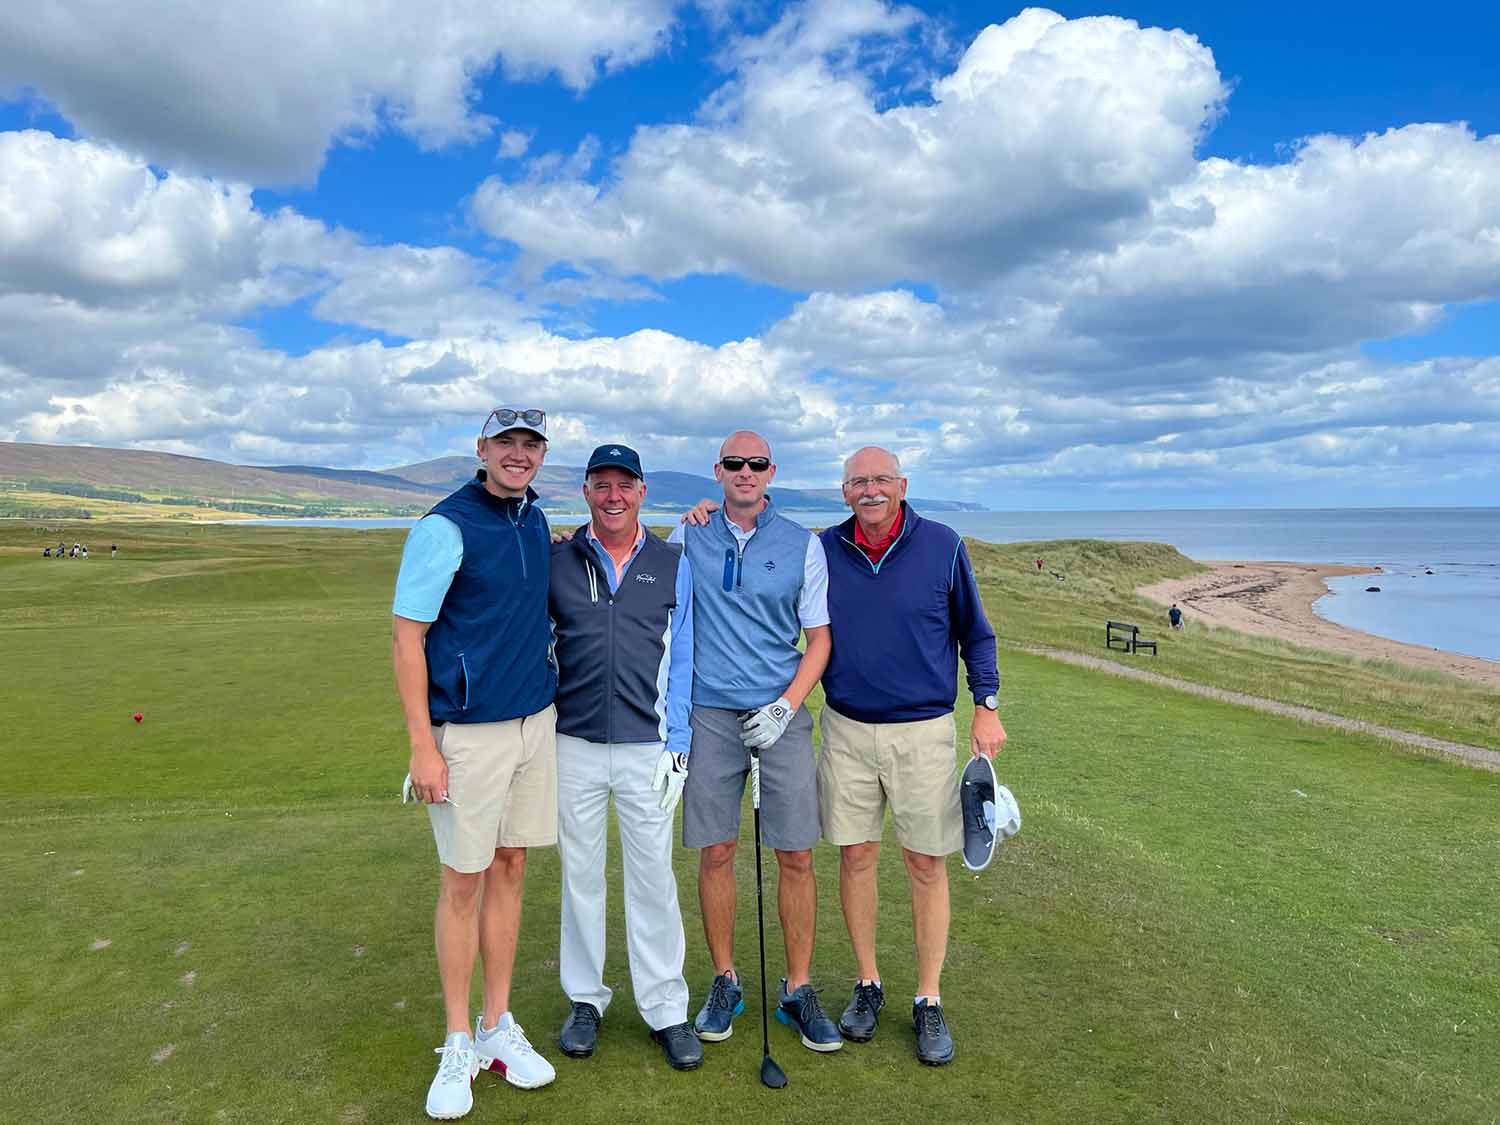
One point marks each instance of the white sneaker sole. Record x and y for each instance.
(495, 1066)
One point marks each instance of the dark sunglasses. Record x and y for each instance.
(506, 417)
(735, 464)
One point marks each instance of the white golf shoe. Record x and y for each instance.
(506, 1051)
(450, 1096)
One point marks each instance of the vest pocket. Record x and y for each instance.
(463, 672)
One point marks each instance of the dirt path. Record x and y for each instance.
(1471, 755)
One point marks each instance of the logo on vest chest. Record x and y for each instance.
(647, 578)
(770, 564)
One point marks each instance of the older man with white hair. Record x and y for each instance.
(902, 604)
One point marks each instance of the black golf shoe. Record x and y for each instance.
(802, 1011)
(857, 1024)
(681, 1046)
(934, 1044)
(580, 1031)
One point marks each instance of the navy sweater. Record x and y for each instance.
(899, 625)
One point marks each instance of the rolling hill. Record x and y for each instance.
(69, 481)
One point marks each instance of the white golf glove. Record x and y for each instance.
(670, 777)
(766, 724)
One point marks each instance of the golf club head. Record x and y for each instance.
(771, 1074)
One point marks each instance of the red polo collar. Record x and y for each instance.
(875, 551)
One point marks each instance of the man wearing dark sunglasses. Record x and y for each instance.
(760, 582)
(471, 647)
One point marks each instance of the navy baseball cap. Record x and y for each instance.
(616, 457)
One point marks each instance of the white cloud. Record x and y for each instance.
(1049, 136)
(513, 144)
(91, 235)
(258, 92)
(1348, 240)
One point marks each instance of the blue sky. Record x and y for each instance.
(1089, 256)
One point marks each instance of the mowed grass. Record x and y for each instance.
(1210, 914)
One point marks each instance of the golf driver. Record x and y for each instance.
(770, 1073)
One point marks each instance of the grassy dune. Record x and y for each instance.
(223, 913)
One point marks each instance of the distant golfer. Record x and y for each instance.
(1174, 615)
(903, 603)
(113, 550)
(471, 641)
(622, 603)
(759, 583)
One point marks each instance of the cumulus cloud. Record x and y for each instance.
(258, 92)
(92, 236)
(375, 404)
(1019, 277)
(1050, 135)
(1350, 239)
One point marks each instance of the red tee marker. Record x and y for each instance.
(138, 716)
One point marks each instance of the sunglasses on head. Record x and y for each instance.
(506, 417)
(735, 464)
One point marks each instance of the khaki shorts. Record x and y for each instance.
(911, 765)
(502, 789)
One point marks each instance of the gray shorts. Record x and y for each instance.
(717, 771)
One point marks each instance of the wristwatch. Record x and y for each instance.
(989, 703)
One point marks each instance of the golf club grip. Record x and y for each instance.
(754, 780)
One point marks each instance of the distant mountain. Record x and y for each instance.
(140, 482)
(352, 476)
(86, 471)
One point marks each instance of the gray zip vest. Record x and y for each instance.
(612, 649)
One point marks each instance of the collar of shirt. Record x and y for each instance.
(617, 569)
(875, 551)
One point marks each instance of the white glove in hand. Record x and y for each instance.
(670, 777)
(766, 724)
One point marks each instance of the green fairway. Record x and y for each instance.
(223, 913)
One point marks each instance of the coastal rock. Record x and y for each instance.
(1372, 589)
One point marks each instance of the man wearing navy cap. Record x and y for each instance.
(621, 603)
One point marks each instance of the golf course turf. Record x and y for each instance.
(223, 912)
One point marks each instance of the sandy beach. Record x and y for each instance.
(1275, 599)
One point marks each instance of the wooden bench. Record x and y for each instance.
(1127, 637)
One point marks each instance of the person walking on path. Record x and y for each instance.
(471, 652)
(759, 582)
(621, 603)
(1174, 615)
(902, 604)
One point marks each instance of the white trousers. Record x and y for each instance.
(587, 773)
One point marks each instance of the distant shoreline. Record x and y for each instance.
(1275, 599)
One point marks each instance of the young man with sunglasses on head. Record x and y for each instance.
(622, 603)
(471, 647)
(903, 604)
(759, 582)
